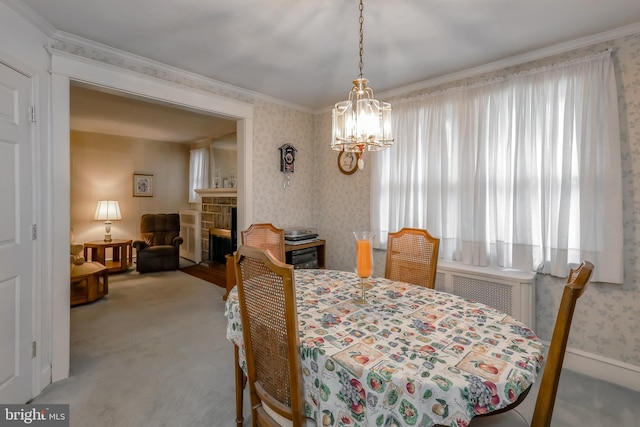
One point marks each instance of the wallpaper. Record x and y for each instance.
(273, 201)
(606, 320)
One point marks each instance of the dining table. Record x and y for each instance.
(413, 357)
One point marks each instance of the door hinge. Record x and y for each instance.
(33, 113)
(34, 232)
(33, 349)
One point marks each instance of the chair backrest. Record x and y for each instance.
(159, 229)
(266, 293)
(412, 257)
(265, 236)
(576, 284)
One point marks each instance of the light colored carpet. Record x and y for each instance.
(154, 353)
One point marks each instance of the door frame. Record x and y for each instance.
(65, 68)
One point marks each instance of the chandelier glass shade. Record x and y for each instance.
(361, 122)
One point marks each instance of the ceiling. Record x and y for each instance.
(306, 51)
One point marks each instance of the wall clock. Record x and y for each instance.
(287, 158)
(348, 162)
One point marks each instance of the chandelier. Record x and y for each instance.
(361, 122)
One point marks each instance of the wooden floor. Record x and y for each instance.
(212, 272)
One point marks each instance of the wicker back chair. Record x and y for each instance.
(412, 257)
(266, 236)
(266, 292)
(576, 284)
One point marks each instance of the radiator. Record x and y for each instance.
(510, 291)
(190, 232)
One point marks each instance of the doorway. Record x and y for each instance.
(67, 69)
(114, 136)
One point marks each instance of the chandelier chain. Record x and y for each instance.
(361, 122)
(361, 38)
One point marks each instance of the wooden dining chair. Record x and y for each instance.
(412, 257)
(267, 298)
(265, 236)
(576, 284)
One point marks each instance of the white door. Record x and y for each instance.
(16, 247)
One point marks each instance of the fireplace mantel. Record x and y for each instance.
(218, 192)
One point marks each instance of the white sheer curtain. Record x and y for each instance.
(522, 172)
(198, 172)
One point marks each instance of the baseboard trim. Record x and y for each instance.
(602, 368)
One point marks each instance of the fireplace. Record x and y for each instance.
(222, 241)
(218, 211)
(219, 244)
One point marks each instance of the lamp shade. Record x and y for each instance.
(108, 210)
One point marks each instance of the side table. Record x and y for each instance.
(121, 259)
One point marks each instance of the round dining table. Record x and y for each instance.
(413, 357)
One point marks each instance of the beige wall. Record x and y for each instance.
(102, 167)
(224, 156)
(226, 161)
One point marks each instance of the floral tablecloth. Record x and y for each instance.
(415, 357)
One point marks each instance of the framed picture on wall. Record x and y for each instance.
(142, 185)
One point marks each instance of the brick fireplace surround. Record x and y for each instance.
(216, 213)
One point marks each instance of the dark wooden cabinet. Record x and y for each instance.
(305, 250)
(319, 245)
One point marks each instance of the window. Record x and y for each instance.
(198, 172)
(522, 172)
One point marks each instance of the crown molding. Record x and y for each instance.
(172, 73)
(77, 67)
(141, 63)
(514, 60)
(251, 96)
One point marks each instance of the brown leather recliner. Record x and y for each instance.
(159, 245)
